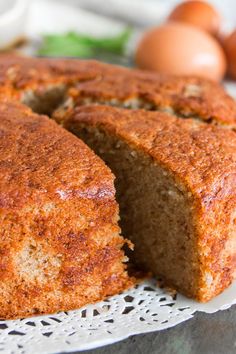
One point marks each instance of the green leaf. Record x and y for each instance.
(79, 45)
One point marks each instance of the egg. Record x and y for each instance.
(229, 44)
(199, 14)
(180, 49)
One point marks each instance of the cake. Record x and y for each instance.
(43, 84)
(176, 187)
(60, 244)
(170, 141)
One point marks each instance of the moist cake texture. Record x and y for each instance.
(175, 180)
(60, 244)
(171, 144)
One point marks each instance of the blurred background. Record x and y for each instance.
(138, 33)
(144, 12)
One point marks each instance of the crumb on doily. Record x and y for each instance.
(171, 291)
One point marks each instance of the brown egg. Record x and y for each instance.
(180, 49)
(197, 13)
(229, 44)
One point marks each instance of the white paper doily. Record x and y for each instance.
(142, 309)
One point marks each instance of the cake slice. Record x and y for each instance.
(176, 186)
(59, 241)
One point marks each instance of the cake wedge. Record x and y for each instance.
(176, 187)
(60, 242)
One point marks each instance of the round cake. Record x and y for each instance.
(171, 144)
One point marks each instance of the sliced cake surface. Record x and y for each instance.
(175, 180)
(59, 240)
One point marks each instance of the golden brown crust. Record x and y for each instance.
(176, 143)
(186, 96)
(40, 168)
(60, 244)
(202, 160)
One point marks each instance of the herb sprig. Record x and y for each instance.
(72, 44)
